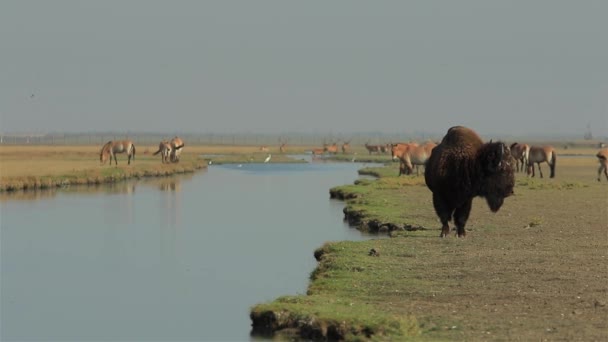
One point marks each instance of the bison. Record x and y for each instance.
(462, 167)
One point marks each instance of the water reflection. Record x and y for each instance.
(127, 187)
(170, 258)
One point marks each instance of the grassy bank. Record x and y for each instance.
(536, 270)
(44, 167)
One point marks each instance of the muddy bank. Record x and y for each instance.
(358, 217)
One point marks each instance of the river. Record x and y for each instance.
(178, 258)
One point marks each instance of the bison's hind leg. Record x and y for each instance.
(461, 215)
(444, 211)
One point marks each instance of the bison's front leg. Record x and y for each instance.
(461, 215)
(444, 212)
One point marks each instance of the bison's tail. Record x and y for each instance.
(552, 165)
(157, 152)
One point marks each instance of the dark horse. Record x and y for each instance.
(111, 148)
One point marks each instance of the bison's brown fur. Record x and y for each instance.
(462, 167)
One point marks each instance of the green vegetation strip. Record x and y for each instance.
(101, 175)
(346, 297)
(329, 311)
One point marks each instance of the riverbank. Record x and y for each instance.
(42, 167)
(45, 167)
(528, 272)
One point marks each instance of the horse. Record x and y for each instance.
(372, 148)
(165, 150)
(410, 155)
(283, 145)
(385, 148)
(346, 147)
(332, 149)
(602, 157)
(176, 149)
(539, 154)
(111, 148)
(520, 152)
(317, 151)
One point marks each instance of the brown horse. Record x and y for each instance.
(165, 150)
(318, 151)
(539, 154)
(346, 147)
(520, 153)
(602, 157)
(332, 149)
(111, 148)
(283, 145)
(373, 148)
(177, 145)
(410, 155)
(385, 148)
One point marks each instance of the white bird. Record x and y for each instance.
(240, 165)
(210, 162)
(267, 159)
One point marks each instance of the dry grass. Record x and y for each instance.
(46, 166)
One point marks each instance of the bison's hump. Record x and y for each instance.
(461, 136)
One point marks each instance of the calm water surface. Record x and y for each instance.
(168, 259)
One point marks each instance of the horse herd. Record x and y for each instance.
(525, 156)
(170, 151)
(410, 154)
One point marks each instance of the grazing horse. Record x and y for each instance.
(410, 155)
(539, 154)
(520, 152)
(385, 148)
(283, 145)
(346, 147)
(372, 148)
(318, 151)
(332, 149)
(111, 148)
(602, 157)
(165, 150)
(177, 145)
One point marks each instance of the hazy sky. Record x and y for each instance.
(308, 66)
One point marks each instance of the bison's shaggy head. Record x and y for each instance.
(497, 177)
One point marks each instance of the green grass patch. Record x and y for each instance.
(341, 303)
